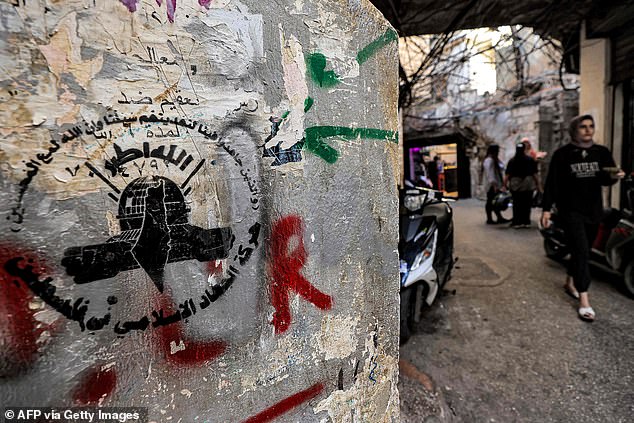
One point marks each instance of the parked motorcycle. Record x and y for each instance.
(425, 250)
(613, 247)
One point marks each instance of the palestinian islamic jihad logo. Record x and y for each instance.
(155, 231)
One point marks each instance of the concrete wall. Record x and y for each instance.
(199, 208)
(595, 95)
(596, 98)
(504, 127)
(543, 119)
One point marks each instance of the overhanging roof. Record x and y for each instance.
(556, 18)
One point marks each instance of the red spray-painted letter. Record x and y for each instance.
(285, 272)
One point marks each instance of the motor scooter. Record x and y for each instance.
(613, 247)
(425, 251)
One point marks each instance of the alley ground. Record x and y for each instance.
(508, 346)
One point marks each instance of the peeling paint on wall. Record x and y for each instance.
(296, 89)
(337, 337)
(375, 384)
(178, 194)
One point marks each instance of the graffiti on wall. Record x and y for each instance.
(154, 219)
(314, 137)
(316, 70)
(20, 329)
(285, 272)
(152, 213)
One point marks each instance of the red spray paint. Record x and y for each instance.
(285, 272)
(96, 383)
(286, 404)
(195, 352)
(19, 330)
(214, 267)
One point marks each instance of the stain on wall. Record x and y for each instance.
(199, 208)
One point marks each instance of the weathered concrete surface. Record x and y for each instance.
(198, 208)
(508, 346)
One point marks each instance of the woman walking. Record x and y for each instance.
(492, 171)
(522, 180)
(576, 174)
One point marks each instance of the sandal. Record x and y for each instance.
(586, 314)
(572, 292)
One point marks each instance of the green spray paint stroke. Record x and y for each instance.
(315, 138)
(316, 69)
(285, 115)
(371, 49)
(308, 103)
(316, 62)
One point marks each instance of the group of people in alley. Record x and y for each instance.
(576, 175)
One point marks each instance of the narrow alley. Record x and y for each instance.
(504, 343)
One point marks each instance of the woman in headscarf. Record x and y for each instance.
(576, 174)
(521, 179)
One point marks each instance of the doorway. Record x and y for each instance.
(440, 163)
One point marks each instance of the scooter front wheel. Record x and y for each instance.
(628, 278)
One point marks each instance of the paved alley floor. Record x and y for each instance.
(508, 346)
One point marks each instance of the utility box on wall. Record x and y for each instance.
(199, 209)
